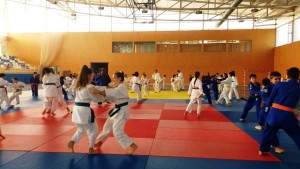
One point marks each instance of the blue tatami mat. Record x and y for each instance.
(7, 156)
(44, 161)
(194, 163)
(112, 162)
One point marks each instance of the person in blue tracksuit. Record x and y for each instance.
(254, 98)
(281, 106)
(205, 82)
(214, 86)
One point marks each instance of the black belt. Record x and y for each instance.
(50, 84)
(87, 105)
(117, 108)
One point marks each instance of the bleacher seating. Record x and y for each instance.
(12, 62)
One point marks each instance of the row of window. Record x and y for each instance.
(183, 46)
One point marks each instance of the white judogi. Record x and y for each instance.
(136, 86)
(163, 83)
(117, 122)
(156, 77)
(3, 92)
(81, 115)
(174, 84)
(17, 91)
(195, 90)
(180, 81)
(50, 91)
(226, 87)
(233, 88)
(72, 87)
(145, 83)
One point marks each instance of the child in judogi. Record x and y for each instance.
(226, 87)
(163, 82)
(157, 79)
(265, 93)
(117, 116)
(3, 91)
(234, 87)
(281, 106)
(180, 80)
(174, 83)
(50, 84)
(83, 116)
(17, 87)
(254, 98)
(145, 83)
(60, 97)
(136, 86)
(195, 92)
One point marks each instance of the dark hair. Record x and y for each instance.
(34, 73)
(266, 81)
(231, 73)
(120, 74)
(293, 73)
(2, 75)
(83, 79)
(225, 75)
(45, 71)
(252, 75)
(15, 78)
(274, 74)
(197, 74)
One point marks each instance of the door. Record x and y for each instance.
(96, 66)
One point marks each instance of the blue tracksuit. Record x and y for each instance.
(254, 89)
(214, 88)
(285, 94)
(205, 82)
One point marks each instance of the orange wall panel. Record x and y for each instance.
(78, 49)
(287, 56)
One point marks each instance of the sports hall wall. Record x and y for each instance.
(287, 56)
(78, 49)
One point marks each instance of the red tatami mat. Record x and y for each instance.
(176, 106)
(110, 146)
(204, 135)
(204, 116)
(23, 142)
(201, 149)
(146, 105)
(197, 124)
(134, 128)
(22, 129)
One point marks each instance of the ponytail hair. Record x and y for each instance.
(197, 74)
(45, 71)
(83, 79)
(120, 74)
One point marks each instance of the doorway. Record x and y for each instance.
(95, 66)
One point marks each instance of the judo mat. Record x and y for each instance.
(166, 139)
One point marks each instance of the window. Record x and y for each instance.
(214, 45)
(282, 35)
(144, 47)
(167, 46)
(297, 30)
(191, 46)
(239, 45)
(122, 47)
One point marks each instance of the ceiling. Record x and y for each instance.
(213, 10)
